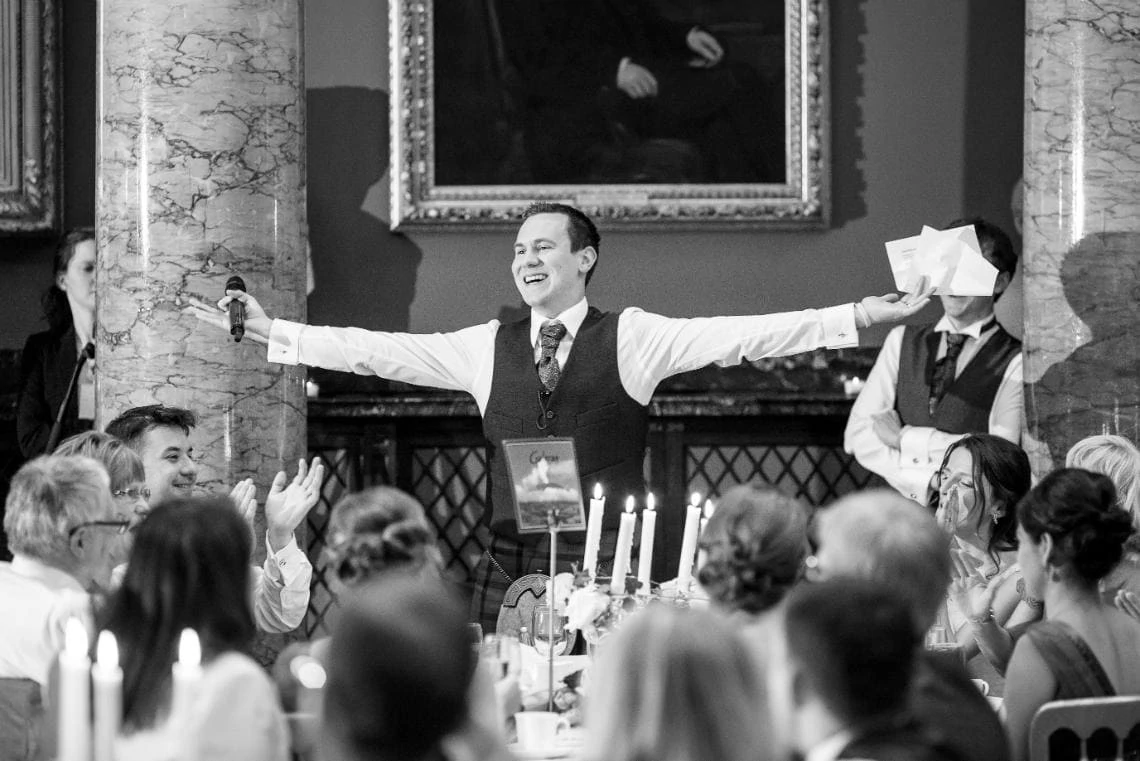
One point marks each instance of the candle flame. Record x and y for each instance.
(189, 648)
(107, 650)
(710, 508)
(695, 499)
(629, 504)
(650, 501)
(75, 638)
(309, 672)
(597, 491)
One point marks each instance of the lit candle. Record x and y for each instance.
(648, 529)
(74, 731)
(108, 680)
(689, 544)
(594, 531)
(187, 672)
(708, 512)
(623, 548)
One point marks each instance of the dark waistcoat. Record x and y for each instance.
(589, 404)
(966, 406)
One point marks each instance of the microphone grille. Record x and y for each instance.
(235, 283)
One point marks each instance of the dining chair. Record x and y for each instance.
(1091, 728)
(21, 719)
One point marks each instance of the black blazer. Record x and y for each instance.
(45, 370)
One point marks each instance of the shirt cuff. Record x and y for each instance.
(284, 342)
(288, 564)
(839, 327)
(914, 446)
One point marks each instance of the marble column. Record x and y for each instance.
(1081, 223)
(201, 176)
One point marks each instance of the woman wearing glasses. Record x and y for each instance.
(189, 569)
(128, 478)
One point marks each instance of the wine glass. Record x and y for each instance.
(540, 630)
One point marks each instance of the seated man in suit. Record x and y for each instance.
(932, 384)
(588, 65)
(882, 537)
(839, 674)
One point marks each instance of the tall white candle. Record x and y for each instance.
(594, 531)
(648, 530)
(108, 682)
(689, 544)
(74, 731)
(624, 547)
(187, 673)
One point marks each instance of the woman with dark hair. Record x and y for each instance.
(189, 569)
(49, 358)
(981, 480)
(753, 548)
(1072, 532)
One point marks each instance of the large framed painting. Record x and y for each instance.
(682, 113)
(29, 138)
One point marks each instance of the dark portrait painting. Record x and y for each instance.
(641, 111)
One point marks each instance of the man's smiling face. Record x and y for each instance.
(167, 457)
(549, 275)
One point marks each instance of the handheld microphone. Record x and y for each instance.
(237, 309)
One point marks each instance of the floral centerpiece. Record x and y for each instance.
(592, 605)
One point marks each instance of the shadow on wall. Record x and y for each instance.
(848, 56)
(1094, 389)
(365, 274)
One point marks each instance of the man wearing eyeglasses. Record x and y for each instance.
(66, 535)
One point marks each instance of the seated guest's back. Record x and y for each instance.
(676, 685)
(1071, 532)
(882, 537)
(399, 670)
(753, 548)
(839, 675)
(189, 569)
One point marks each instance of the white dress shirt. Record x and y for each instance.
(650, 347)
(36, 601)
(910, 467)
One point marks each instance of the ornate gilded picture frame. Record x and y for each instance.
(29, 116)
(495, 104)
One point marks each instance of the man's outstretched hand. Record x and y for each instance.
(289, 502)
(892, 307)
(257, 322)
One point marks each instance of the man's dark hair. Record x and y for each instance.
(856, 644)
(996, 246)
(579, 227)
(133, 424)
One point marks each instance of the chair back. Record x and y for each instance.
(1090, 728)
(21, 719)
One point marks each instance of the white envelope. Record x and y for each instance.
(951, 259)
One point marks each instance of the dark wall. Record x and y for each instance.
(926, 126)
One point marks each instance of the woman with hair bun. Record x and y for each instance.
(1119, 459)
(1071, 533)
(753, 548)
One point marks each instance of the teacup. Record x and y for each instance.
(538, 729)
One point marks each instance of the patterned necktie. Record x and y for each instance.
(945, 368)
(548, 371)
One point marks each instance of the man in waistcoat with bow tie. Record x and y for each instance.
(932, 384)
(567, 370)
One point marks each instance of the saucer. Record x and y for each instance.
(537, 754)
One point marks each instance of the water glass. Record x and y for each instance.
(540, 630)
